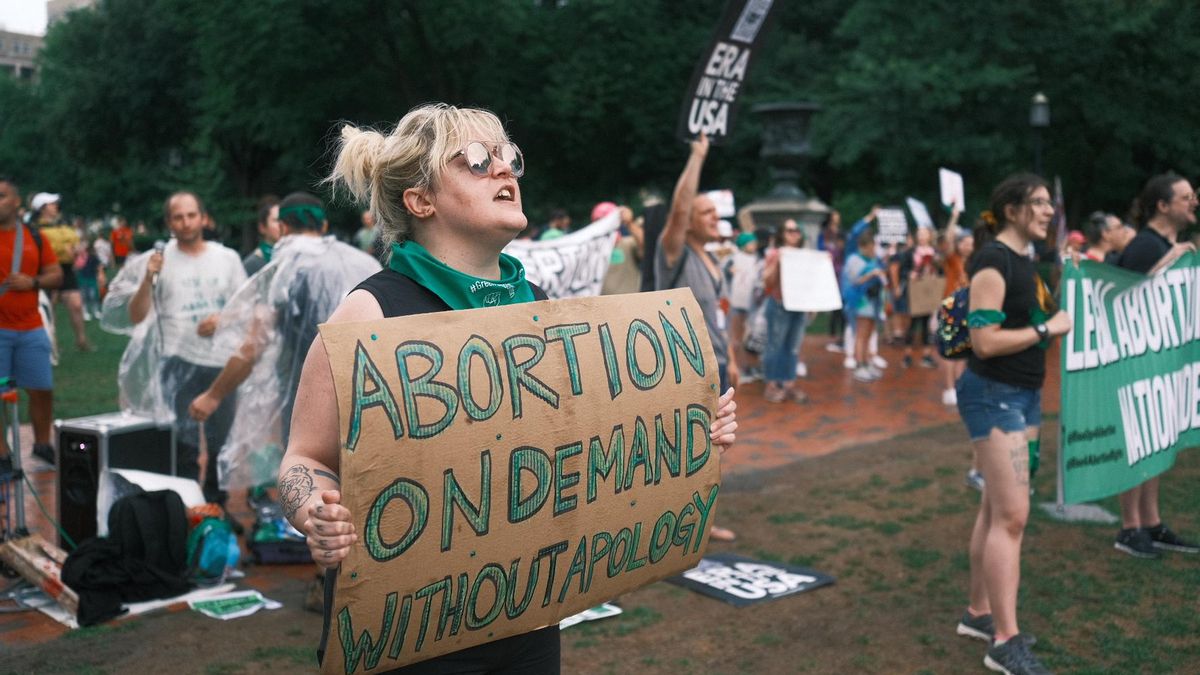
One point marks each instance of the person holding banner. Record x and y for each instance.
(1165, 209)
(443, 186)
(999, 400)
(682, 262)
(785, 329)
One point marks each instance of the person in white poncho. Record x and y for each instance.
(268, 326)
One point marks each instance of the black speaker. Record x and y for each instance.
(89, 445)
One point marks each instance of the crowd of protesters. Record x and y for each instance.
(736, 274)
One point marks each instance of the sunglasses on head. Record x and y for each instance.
(479, 157)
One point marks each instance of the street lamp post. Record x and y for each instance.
(1039, 119)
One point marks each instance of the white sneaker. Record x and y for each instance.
(878, 361)
(949, 397)
(864, 374)
(801, 369)
(751, 375)
(875, 371)
(849, 363)
(833, 347)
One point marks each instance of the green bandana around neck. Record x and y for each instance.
(266, 250)
(459, 290)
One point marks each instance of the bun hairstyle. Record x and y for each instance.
(1012, 191)
(377, 167)
(1160, 188)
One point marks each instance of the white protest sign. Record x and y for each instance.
(723, 199)
(919, 212)
(807, 281)
(573, 265)
(893, 225)
(951, 184)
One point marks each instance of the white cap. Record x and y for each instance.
(725, 229)
(41, 199)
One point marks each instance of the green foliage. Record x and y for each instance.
(137, 98)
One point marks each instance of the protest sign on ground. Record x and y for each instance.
(893, 225)
(711, 102)
(572, 265)
(807, 281)
(742, 581)
(1130, 375)
(509, 467)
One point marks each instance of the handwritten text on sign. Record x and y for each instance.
(509, 467)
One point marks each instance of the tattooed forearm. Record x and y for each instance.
(295, 487)
(326, 474)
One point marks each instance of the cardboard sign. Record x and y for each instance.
(742, 581)
(951, 184)
(572, 265)
(509, 467)
(807, 281)
(711, 101)
(919, 212)
(925, 295)
(893, 226)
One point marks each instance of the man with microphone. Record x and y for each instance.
(168, 299)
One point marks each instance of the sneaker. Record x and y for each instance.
(906, 362)
(875, 371)
(1014, 658)
(950, 397)
(975, 480)
(927, 362)
(879, 362)
(750, 375)
(865, 374)
(797, 395)
(775, 393)
(849, 363)
(833, 347)
(45, 452)
(1164, 539)
(801, 369)
(979, 627)
(1136, 542)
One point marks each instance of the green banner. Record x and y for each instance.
(1130, 375)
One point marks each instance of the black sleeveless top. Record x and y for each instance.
(537, 652)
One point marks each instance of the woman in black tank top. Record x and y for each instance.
(443, 188)
(999, 399)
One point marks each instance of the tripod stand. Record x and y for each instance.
(12, 488)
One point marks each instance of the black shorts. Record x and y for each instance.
(69, 282)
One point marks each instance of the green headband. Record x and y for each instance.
(299, 211)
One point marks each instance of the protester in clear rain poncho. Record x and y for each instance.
(267, 328)
(168, 300)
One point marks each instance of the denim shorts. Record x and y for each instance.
(985, 404)
(25, 357)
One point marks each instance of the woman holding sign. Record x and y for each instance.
(785, 329)
(443, 186)
(999, 400)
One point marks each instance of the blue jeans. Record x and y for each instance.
(985, 404)
(785, 330)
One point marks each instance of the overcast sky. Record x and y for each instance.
(23, 16)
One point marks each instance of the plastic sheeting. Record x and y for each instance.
(271, 321)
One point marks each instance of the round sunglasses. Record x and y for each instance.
(479, 157)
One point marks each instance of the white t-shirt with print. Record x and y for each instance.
(190, 288)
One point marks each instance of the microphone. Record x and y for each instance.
(159, 247)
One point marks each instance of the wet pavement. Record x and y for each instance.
(840, 413)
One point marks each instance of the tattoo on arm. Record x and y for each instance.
(326, 474)
(295, 487)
